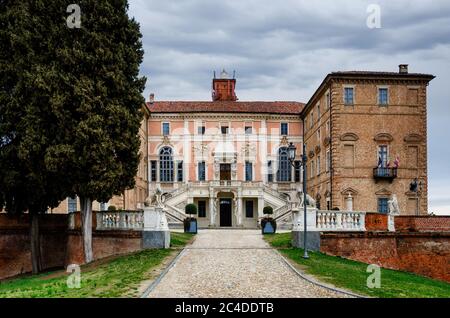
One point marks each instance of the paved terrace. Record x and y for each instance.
(234, 264)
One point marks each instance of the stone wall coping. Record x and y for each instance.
(385, 234)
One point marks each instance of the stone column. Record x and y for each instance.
(240, 216)
(212, 211)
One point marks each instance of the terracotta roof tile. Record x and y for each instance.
(226, 107)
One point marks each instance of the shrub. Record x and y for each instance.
(112, 208)
(268, 210)
(190, 209)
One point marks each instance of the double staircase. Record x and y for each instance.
(175, 201)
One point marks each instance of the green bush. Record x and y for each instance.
(268, 210)
(190, 209)
(112, 208)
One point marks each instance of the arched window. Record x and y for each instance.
(284, 166)
(166, 165)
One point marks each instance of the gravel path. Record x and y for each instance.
(233, 264)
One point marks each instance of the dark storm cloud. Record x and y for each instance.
(281, 50)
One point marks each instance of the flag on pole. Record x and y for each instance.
(397, 162)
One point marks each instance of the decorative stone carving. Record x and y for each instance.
(385, 137)
(200, 150)
(249, 150)
(284, 142)
(393, 206)
(413, 138)
(349, 137)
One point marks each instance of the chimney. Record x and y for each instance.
(152, 98)
(223, 88)
(403, 68)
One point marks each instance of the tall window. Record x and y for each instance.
(201, 129)
(72, 204)
(201, 171)
(383, 205)
(153, 165)
(328, 163)
(382, 156)
(328, 102)
(269, 171)
(248, 171)
(103, 206)
(284, 166)
(249, 208)
(284, 129)
(166, 165)
(318, 111)
(312, 169)
(311, 124)
(180, 171)
(298, 171)
(166, 129)
(318, 134)
(202, 209)
(248, 130)
(348, 96)
(383, 96)
(318, 165)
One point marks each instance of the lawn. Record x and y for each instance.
(116, 277)
(352, 275)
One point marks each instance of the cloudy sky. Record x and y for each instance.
(281, 50)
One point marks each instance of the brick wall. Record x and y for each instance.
(104, 244)
(59, 246)
(422, 223)
(426, 254)
(376, 222)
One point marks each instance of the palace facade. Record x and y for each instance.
(365, 135)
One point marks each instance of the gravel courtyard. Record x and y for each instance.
(233, 264)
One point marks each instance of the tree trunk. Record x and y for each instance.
(86, 228)
(35, 242)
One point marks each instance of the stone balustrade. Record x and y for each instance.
(120, 220)
(340, 221)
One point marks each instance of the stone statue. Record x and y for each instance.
(310, 202)
(156, 199)
(393, 206)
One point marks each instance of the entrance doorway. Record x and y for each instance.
(225, 213)
(225, 171)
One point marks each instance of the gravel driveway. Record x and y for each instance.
(233, 264)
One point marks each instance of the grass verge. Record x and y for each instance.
(352, 275)
(115, 277)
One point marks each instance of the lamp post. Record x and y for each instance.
(291, 153)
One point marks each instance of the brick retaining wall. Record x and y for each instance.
(426, 253)
(59, 245)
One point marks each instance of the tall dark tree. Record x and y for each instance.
(101, 62)
(71, 103)
(31, 106)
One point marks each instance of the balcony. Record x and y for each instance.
(385, 174)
